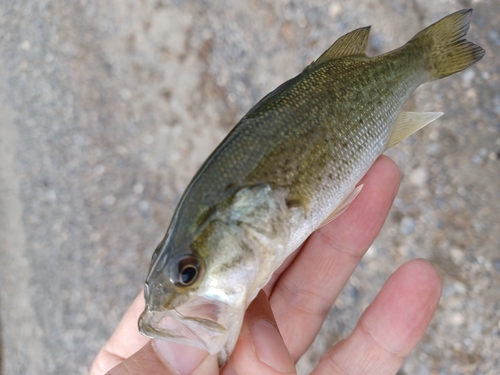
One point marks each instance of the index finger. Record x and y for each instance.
(304, 293)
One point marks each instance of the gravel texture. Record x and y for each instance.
(108, 108)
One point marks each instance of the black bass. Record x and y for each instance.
(290, 165)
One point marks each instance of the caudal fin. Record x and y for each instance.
(445, 45)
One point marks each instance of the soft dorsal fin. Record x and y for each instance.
(350, 44)
(408, 123)
(353, 43)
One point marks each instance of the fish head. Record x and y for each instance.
(199, 286)
(197, 295)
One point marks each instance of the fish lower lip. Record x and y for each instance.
(172, 326)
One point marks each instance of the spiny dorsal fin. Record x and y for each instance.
(353, 43)
(408, 123)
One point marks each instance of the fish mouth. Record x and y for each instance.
(199, 322)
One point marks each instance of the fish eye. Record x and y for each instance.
(188, 275)
(187, 272)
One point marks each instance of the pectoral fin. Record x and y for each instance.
(408, 123)
(343, 206)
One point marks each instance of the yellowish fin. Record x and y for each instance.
(408, 123)
(351, 44)
(343, 206)
(445, 45)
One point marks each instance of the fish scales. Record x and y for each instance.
(337, 127)
(332, 110)
(290, 165)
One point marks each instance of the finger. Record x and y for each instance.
(304, 293)
(125, 341)
(159, 357)
(129, 352)
(145, 361)
(391, 326)
(260, 348)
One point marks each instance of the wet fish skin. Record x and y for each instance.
(292, 160)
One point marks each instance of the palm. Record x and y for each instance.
(300, 294)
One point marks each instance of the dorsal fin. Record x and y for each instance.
(353, 43)
(350, 44)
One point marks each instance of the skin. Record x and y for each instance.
(284, 319)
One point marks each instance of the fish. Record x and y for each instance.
(289, 166)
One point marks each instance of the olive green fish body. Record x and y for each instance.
(319, 133)
(292, 160)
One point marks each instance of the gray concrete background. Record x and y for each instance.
(108, 108)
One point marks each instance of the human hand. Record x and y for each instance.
(300, 295)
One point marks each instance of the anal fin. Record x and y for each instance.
(343, 206)
(408, 123)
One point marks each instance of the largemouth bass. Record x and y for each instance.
(290, 165)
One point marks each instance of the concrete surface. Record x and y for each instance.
(108, 108)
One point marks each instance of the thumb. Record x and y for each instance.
(260, 348)
(167, 358)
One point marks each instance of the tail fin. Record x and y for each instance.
(447, 49)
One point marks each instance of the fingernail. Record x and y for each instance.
(182, 358)
(270, 347)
